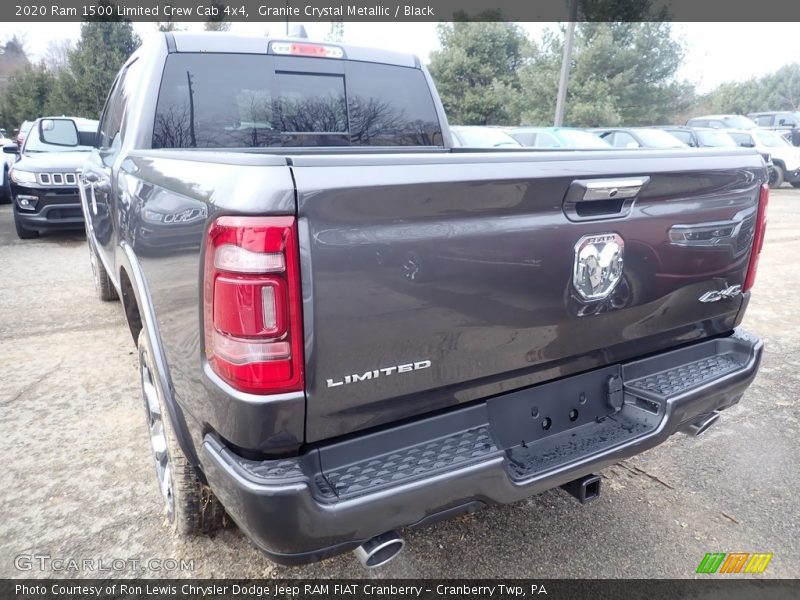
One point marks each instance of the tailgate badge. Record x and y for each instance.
(716, 295)
(598, 265)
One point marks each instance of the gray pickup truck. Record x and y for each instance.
(346, 326)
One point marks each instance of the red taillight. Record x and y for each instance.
(758, 237)
(252, 304)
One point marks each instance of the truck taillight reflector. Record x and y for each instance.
(252, 304)
(758, 237)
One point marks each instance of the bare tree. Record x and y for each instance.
(218, 22)
(168, 25)
(12, 58)
(336, 31)
(57, 54)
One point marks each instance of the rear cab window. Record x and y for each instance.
(262, 101)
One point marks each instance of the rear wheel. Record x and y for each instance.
(190, 506)
(23, 232)
(102, 283)
(776, 176)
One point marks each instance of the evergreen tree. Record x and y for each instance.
(32, 86)
(622, 74)
(102, 49)
(776, 91)
(476, 71)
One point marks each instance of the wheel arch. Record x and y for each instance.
(130, 304)
(140, 316)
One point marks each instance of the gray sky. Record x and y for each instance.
(716, 52)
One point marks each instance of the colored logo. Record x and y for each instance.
(734, 562)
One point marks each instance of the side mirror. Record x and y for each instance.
(747, 145)
(58, 132)
(10, 149)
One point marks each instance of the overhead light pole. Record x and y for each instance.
(566, 61)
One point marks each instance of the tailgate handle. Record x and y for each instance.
(593, 199)
(617, 188)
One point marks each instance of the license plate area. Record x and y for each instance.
(528, 416)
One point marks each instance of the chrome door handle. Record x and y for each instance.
(609, 189)
(599, 199)
(98, 182)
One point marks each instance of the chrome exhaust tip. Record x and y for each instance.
(379, 550)
(701, 424)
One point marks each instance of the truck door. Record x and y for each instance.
(100, 169)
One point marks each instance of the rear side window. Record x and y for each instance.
(683, 136)
(741, 139)
(261, 101)
(526, 139)
(545, 140)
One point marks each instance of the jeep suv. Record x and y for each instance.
(787, 123)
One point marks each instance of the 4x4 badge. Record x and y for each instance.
(717, 295)
(598, 265)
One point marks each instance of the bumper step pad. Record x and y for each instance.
(415, 462)
(685, 377)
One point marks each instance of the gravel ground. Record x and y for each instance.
(77, 480)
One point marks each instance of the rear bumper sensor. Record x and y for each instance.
(335, 497)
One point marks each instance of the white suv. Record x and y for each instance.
(785, 157)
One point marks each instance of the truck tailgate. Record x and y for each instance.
(432, 280)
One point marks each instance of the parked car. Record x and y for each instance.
(785, 157)
(43, 183)
(721, 122)
(707, 137)
(482, 137)
(787, 123)
(638, 137)
(700, 137)
(5, 162)
(589, 308)
(22, 132)
(557, 137)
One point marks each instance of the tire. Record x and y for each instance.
(23, 232)
(776, 177)
(5, 193)
(191, 507)
(102, 283)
